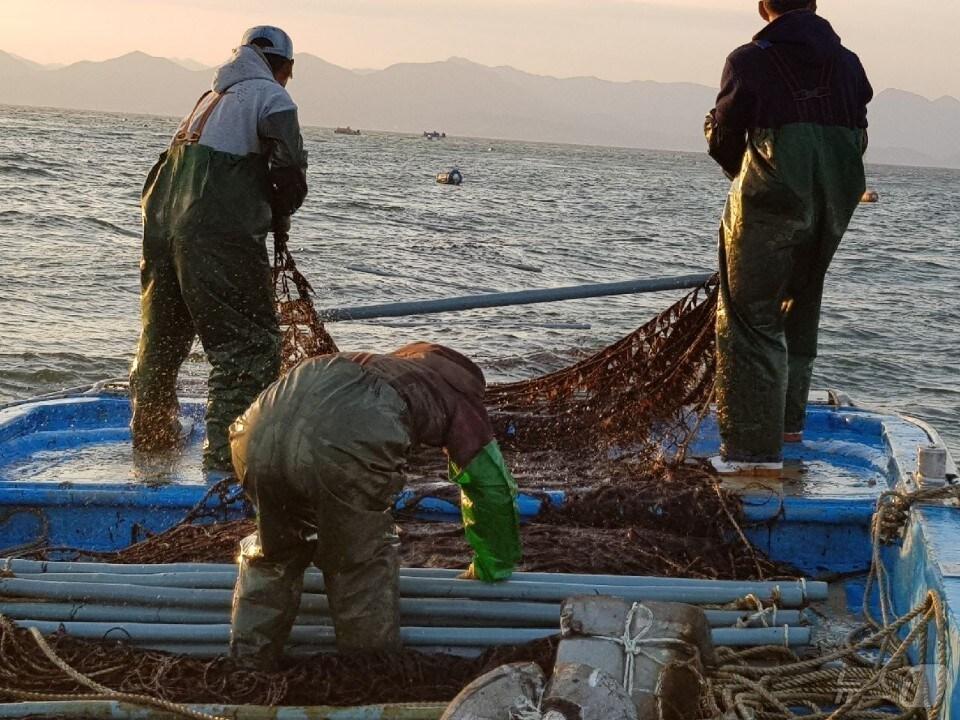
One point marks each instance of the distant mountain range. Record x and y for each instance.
(467, 99)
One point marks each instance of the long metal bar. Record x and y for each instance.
(313, 581)
(813, 590)
(521, 297)
(318, 635)
(409, 587)
(545, 614)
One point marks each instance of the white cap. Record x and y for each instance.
(279, 42)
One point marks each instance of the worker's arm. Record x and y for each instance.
(726, 125)
(866, 95)
(491, 522)
(287, 160)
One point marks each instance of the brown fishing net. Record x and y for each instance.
(303, 333)
(643, 395)
(407, 676)
(641, 520)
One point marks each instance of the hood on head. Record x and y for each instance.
(247, 63)
(810, 35)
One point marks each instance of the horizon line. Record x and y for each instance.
(55, 67)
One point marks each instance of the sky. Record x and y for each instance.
(907, 44)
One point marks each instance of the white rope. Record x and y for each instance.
(525, 709)
(634, 645)
(762, 615)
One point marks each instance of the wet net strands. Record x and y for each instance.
(634, 520)
(303, 334)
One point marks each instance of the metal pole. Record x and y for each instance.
(790, 597)
(35, 569)
(319, 635)
(538, 614)
(521, 297)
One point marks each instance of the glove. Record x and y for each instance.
(469, 574)
(281, 224)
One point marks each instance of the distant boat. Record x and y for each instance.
(453, 176)
(346, 131)
(434, 135)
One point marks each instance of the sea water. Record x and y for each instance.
(376, 227)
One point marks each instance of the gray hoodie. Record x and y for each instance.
(255, 115)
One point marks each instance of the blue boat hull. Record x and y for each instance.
(69, 478)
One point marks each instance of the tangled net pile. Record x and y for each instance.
(27, 672)
(642, 520)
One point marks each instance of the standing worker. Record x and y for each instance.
(789, 129)
(321, 453)
(236, 168)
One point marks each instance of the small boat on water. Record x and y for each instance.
(870, 196)
(453, 176)
(346, 131)
(434, 135)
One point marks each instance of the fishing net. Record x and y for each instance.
(303, 333)
(406, 676)
(642, 521)
(643, 395)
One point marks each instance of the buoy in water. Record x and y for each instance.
(450, 177)
(870, 196)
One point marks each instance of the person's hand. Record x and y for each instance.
(468, 574)
(281, 224)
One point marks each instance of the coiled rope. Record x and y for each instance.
(865, 679)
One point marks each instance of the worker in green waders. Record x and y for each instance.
(321, 453)
(235, 169)
(789, 129)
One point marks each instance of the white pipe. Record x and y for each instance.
(813, 590)
(146, 633)
(540, 614)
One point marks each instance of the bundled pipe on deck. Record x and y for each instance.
(810, 589)
(106, 587)
(317, 636)
(541, 614)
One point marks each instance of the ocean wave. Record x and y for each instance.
(25, 172)
(106, 225)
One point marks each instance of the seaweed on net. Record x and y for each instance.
(643, 396)
(611, 431)
(674, 522)
(406, 676)
(303, 333)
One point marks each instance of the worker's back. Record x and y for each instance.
(795, 72)
(250, 94)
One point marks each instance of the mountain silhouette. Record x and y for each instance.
(464, 98)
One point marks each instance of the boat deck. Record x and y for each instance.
(68, 477)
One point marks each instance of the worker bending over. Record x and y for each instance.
(321, 453)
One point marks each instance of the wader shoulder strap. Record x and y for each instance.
(802, 96)
(188, 137)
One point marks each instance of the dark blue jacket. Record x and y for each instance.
(795, 71)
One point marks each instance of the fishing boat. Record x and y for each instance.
(434, 135)
(345, 131)
(453, 176)
(865, 511)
